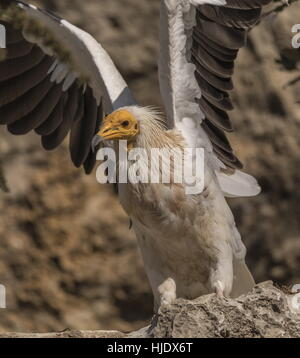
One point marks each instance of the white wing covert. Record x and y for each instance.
(200, 40)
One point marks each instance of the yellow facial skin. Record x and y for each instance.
(120, 125)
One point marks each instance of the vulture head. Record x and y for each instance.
(139, 126)
(120, 125)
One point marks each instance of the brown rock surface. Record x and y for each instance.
(266, 312)
(263, 313)
(67, 257)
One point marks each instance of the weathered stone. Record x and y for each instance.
(263, 313)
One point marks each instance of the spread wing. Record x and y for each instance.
(55, 79)
(200, 40)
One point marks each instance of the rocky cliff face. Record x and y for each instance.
(263, 313)
(67, 256)
(266, 312)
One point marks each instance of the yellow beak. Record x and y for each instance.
(109, 131)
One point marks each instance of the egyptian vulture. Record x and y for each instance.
(57, 80)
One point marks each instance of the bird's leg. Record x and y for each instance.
(166, 296)
(167, 292)
(220, 289)
(221, 281)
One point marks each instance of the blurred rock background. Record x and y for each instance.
(67, 256)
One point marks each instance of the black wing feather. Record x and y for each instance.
(220, 32)
(29, 100)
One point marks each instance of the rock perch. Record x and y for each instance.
(266, 312)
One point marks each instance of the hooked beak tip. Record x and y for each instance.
(95, 142)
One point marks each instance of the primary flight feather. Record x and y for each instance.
(57, 80)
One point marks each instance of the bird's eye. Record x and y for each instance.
(125, 124)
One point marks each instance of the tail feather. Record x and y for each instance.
(243, 281)
(238, 184)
